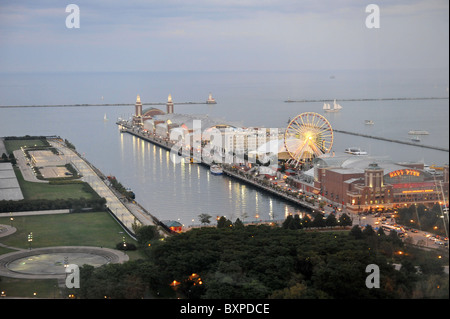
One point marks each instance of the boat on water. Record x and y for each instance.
(335, 108)
(415, 139)
(216, 170)
(105, 118)
(355, 151)
(369, 122)
(418, 132)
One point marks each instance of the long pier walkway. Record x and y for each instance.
(393, 140)
(125, 128)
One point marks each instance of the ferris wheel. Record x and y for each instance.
(307, 136)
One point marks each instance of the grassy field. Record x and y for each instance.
(12, 145)
(80, 229)
(45, 288)
(31, 190)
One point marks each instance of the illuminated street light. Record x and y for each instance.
(30, 239)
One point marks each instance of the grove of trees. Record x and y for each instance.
(237, 261)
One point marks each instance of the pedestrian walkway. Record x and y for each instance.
(127, 216)
(9, 185)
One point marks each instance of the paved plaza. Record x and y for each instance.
(9, 186)
(48, 263)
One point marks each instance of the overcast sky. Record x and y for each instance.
(221, 35)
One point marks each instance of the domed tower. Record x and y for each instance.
(169, 104)
(373, 176)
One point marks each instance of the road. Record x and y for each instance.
(127, 215)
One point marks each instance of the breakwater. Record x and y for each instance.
(102, 104)
(393, 140)
(370, 99)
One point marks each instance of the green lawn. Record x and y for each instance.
(12, 145)
(76, 229)
(32, 190)
(81, 229)
(23, 288)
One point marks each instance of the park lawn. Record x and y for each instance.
(26, 288)
(76, 229)
(32, 190)
(12, 145)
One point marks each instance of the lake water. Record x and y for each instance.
(182, 192)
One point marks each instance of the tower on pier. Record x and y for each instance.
(137, 118)
(138, 107)
(169, 104)
(210, 100)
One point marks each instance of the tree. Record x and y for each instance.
(356, 232)
(368, 231)
(344, 220)
(144, 234)
(319, 221)
(223, 222)
(331, 220)
(238, 224)
(306, 221)
(204, 219)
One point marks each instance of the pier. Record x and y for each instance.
(227, 169)
(393, 140)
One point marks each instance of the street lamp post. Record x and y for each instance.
(30, 239)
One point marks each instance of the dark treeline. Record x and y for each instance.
(263, 261)
(74, 204)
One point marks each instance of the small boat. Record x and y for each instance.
(419, 132)
(216, 170)
(415, 139)
(355, 151)
(369, 122)
(105, 118)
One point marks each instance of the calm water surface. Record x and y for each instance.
(183, 191)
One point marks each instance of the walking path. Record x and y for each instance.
(123, 212)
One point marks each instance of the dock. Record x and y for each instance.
(226, 170)
(437, 148)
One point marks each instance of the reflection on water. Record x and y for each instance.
(182, 191)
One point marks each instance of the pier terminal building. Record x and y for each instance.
(362, 183)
